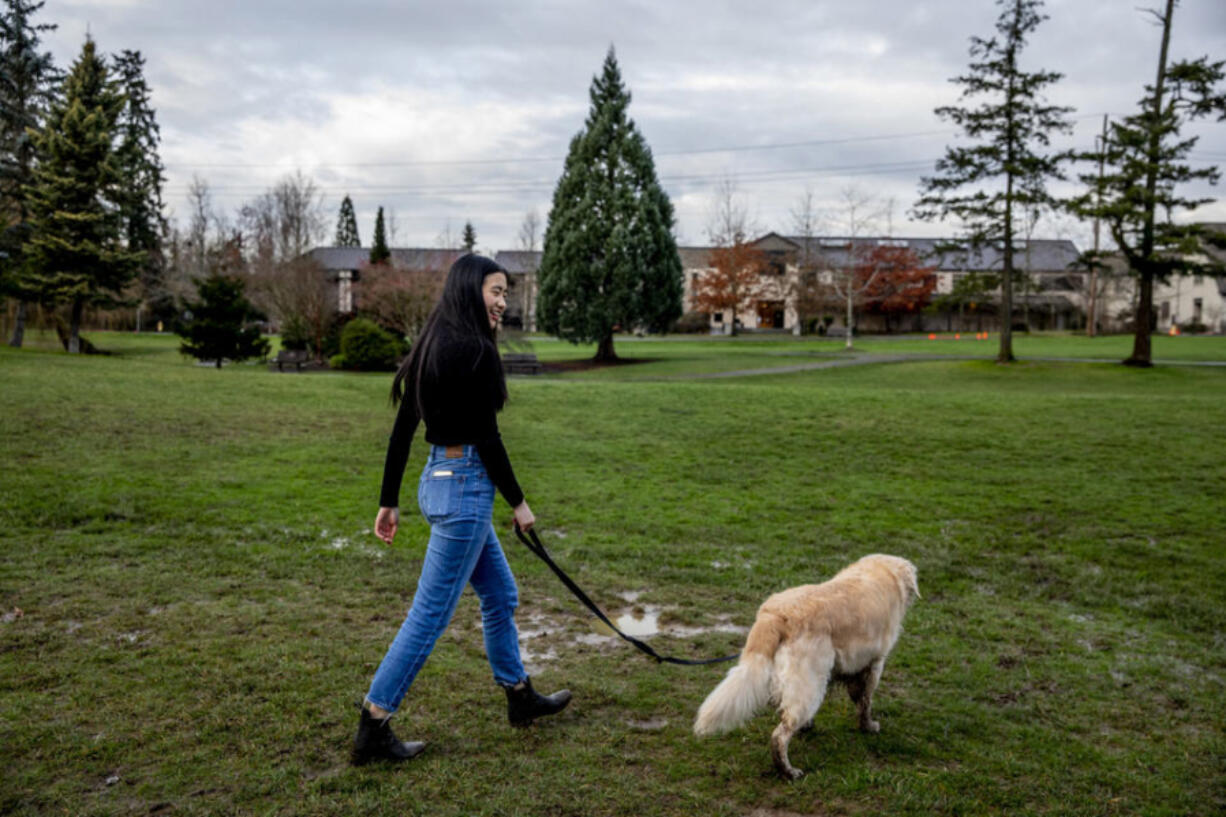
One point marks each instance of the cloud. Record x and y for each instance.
(364, 96)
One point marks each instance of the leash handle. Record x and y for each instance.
(536, 547)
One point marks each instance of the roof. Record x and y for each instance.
(1037, 255)
(516, 261)
(354, 258)
(695, 257)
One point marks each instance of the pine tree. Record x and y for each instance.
(1147, 160)
(379, 253)
(220, 324)
(28, 79)
(1009, 167)
(610, 260)
(140, 184)
(347, 225)
(469, 237)
(75, 249)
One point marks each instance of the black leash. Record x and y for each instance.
(536, 547)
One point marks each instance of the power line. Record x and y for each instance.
(531, 159)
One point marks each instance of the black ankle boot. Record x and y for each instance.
(525, 704)
(376, 741)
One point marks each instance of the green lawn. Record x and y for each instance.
(201, 600)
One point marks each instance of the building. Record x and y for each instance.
(344, 266)
(1184, 303)
(1051, 294)
(521, 267)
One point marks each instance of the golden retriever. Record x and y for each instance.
(807, 636)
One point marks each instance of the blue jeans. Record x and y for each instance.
(457, 497)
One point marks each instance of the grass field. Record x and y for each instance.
(191, 598)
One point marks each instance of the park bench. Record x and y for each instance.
(291, 357)
(836, 332)
(521, 363)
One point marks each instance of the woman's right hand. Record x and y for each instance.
(386, 523)
(524, 520)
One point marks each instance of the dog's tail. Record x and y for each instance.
(747, 686)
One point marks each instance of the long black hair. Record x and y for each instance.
(459, 316)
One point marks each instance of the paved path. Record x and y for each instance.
(869, 359)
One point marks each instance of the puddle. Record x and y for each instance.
(344, 543)
(630, 624)
(534, 661)
(542, 636)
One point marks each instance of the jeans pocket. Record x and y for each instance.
(440, 493)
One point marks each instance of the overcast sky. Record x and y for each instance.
(445, 113)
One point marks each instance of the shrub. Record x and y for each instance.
(367, 347)
(295, 334)
(692, 323)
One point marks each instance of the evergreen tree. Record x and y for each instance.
(1146, 161)
(1009, 166)
(610, 259)
(469, 238)
(379, 253)
(220, 324)
(140, 184)
(347, 225)
(28, 79)
(75, 249)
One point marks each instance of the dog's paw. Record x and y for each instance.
(872, 727)
(791, 773)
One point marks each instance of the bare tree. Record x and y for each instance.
(298, 293)
(200, 219)
(392, 225)
(280, 226)
(850, 277)
(529, 230)
(401, 297)
(806, 290)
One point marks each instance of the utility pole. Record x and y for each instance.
(1091, 330)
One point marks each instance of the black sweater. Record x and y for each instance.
(460, 397)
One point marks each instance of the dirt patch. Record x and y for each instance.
(561, 366)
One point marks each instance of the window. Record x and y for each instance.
(1198, 279)
(719, 317)
(1197, 306)
(1166, 310)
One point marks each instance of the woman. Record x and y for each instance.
(453, 380)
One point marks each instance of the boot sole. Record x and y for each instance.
(364, 760)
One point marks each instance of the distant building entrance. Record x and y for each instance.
(770, 314)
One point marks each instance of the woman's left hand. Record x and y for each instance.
(524, 520)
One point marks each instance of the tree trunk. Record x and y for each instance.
(1141, 340)
(850, 316)
(1141, 345)
(604, 351)
(19, 328)
(74, 327)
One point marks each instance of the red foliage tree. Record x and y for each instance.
(734, 281)
(897, 282)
